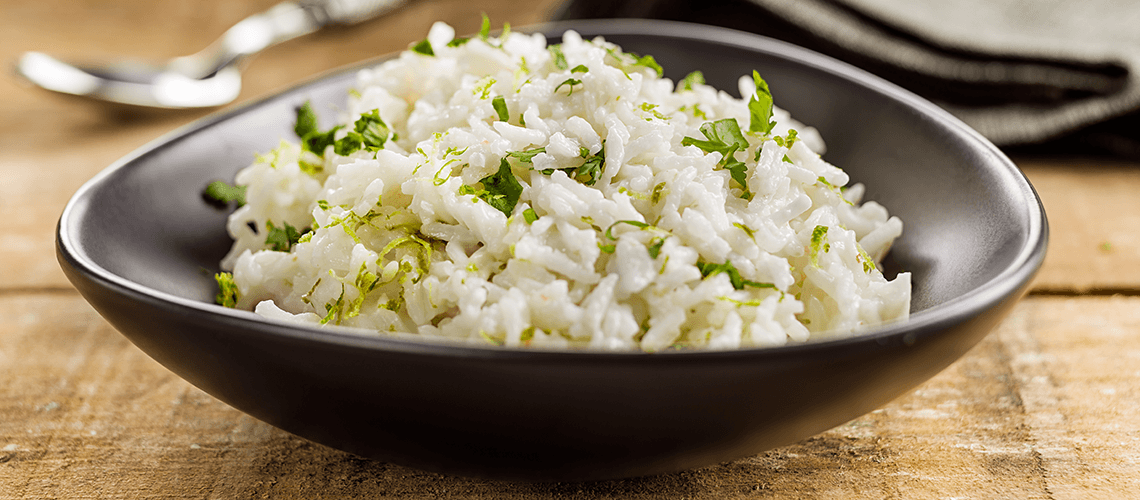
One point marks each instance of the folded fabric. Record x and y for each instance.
(1020, 72)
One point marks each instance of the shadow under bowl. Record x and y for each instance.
(141, 246)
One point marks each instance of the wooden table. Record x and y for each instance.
(1048, 406)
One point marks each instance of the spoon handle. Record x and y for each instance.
(350, 11)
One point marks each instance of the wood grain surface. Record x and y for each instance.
(1048, 406)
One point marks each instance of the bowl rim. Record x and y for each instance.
(1008, 284)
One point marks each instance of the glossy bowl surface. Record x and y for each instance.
(141, 246)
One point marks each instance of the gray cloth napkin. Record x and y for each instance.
(1058, 73)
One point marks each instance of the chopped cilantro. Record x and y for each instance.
(485, 30)
(559, 57)
(694, 78)
(500, 105)
(220, 194)
(571, 82)
(607, 248)
(708, 269)
(423, 48)
(369, 133)
(527, 334)
(526, 156)
(634, 223)
(817, 236)
(281, 239)
(581, 68)
(746, 229)
(307, 129)
(760, 107)
(227, 290)
(501, 189)
(654, 247)
(629, 60)
(724, 137)
(530, 216)
(590, 170)
(306, 120)
(587, 173)
(458, 42)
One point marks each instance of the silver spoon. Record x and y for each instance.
(210, 77)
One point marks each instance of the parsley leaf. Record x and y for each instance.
(501, 189)
(654, 247)
(485, 30)
(281, 239)
(220, 194)
(306, 120)
(648, 61)
(708, 269)
(500, 105)
(590, 170)
(227, 290)
(559, 57)
(306, 128)
(571, 82)
(694, 78)
(760, 107)
(423, 48)
(526, 156)
(724, 137)
(369, 133)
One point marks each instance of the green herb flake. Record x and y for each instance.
(868, 263)
(559, 57)
(227, 290)
(526, 156)
(691, 79)
(501, 190)
(747, 230)
(458, 42)
(423, 48)
(648, 62)
(369, 133)
(306, 120)
(658, 192)
(500, 105)
(654, 247)
(485, 30)
(581, 68)
(220, 194)
(817, 240)
(760, 107)
(724, 137)
(571, 82)
(530, 216)
(281, 239)
(787, 142)
(738, 282)
(635, 223)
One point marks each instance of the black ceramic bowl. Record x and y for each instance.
(141, 245)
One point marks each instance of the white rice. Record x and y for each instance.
(395, 247)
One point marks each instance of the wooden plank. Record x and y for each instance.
(1043, 408)
(1094, 217)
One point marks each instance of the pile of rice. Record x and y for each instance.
(621, 238)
